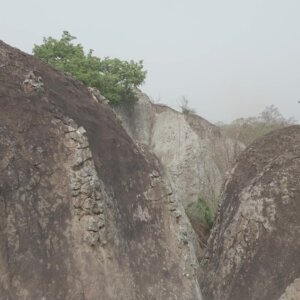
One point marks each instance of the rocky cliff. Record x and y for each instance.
(84, 213)
(193, 152)
(253, 252)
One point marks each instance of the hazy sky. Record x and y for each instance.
(229, 58)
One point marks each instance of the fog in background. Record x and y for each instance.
(229, 58)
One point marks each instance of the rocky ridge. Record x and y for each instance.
(253, 251)
(84, 212)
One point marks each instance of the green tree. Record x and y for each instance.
(114, 78)
(249, 129)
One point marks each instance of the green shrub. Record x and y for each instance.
(184, 106)
(249, 129)
(201, 211)
(114, 78)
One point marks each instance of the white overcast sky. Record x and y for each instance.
(229, 58)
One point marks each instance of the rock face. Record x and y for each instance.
(253, 252)
(193, 152)
(84, 213)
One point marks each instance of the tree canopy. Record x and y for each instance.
(114, 78)
(249, 129)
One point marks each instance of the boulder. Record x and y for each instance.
(253, 251)
(84, 212)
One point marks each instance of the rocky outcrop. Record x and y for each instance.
(193, 152)
(253, 252)
(84, 213)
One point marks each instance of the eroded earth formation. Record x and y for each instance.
(194, 153)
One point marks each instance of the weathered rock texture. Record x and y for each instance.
(193, 152)
(253, 252)
(292, 292)
(84, 213)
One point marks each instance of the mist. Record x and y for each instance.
(229, 58)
